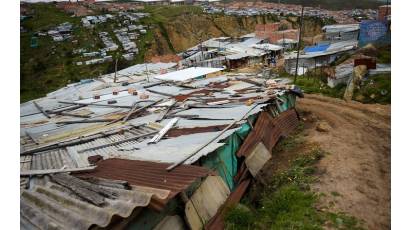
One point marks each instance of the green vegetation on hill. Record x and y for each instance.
(166, 13)
(375, 89)
(316, 83)
(52, 65)
(383, 54)
(313, 84)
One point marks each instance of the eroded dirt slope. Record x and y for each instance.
(357, 168)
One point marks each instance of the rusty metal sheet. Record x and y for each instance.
(187, 131)
(268, 130)
(149, 174)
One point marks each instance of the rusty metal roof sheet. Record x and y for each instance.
(268, 130)
(149, 174)
(176, 132)
(72, 203)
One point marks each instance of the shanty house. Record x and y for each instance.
(341, 32)
(318, 55)
(145, 150)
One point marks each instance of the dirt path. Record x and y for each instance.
(358, 164)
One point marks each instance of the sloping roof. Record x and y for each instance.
(186, 74)
(243, 49)
(148, 174)
(74, 156)
(286, 41)
(251, 41)
(236, 56)
(316, 48)
(267, 46)
(71, 203)
(340, 28)
(332, 49)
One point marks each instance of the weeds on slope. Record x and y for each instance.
(288, 203)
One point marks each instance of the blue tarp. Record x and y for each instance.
(374, 31)
(316, 48)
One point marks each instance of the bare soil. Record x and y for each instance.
(355, 174)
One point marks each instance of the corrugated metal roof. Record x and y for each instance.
(55, 159)
(268, 130)
(332, 49)
(71, 203)
(72, 157)
(186, 74)
(340, 28)
(149, 174)
(268, 46)
(174, 149)
(251, 41)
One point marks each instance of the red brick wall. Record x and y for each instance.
(289, 34)
(272, 32)
(383, 12)
(265, 30)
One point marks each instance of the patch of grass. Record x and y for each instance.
(291, 208)
(344, 221)
(46, 15)
(292, 141)
(384, 54)
(375, 89)
(300, 172)
(334, 193)
(288, 203)
(241, 217)
(164, 13)
(318, 84)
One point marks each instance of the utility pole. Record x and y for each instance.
(115, 75)
(300, 38)
(283, 39)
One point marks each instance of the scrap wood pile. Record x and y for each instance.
(174, 135)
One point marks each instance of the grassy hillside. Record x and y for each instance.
(52, 64)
